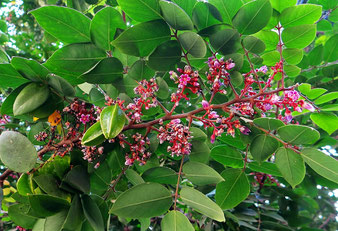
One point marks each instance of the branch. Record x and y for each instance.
(324, 65)
(178, 181)
(4, 176)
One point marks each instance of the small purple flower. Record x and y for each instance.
(293, 95)
(308, 106)
(263, 69)
(85, 118)
(244, 130)
(231, 65)
(213, 115)
(205, 104)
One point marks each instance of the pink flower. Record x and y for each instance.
(205, 104)
(293, 95)
(308, 106)
(85, 118)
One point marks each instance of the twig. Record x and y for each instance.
(178, 181)
(4, 176)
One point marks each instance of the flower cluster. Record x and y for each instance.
(188, 79)
(146, 90)
(81, 111)
(218, 75)
(138, 149)
(177, 135)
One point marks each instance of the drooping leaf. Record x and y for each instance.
(141, 39)
(269, 124)
(55, 222)
(326, 98)
(322, 163)
(280, 5)
(265, 167)
(17, 152)
(193, 44)
(134, 177)
(225, 41)
(78, 178)
(141, 10)
(291, 165)
(298, 134)
(24, 184)
(205, 15)
(327, 121)
(227, 8)
(162, 175)
(107, 70)
(227, 156)
(300, 15)
(93, 135)
(292, 70)
(49, 184)
(175, 16)
(30, 69)
(233, 190)
(61, 85)
(65, 24)
(175, 220)
(253, 16)
(143, 201)
(46, 205)
(253, 44)
(293, 55)
(18, 214)
(315, 56)
(186, 5)
(262, 147)
(92, 213)
(103, 27)
(75, 59)
(299, 36)
(10, 77)
(331, 49)
(140, 70)
(100, 179)
(7, 105)
(197, 134)
(112, 121)
(201, 174)
(270, 39)
(201, 203)
(271, 58)
(165, 56)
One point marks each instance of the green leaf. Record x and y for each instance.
(93, 135)
(326, 98)
(331, 49)
(141, 39)
(321, 163)
(199, 152)
(314, 93)
(17, 152)
(269, 124)
(300, 15)
(253, 44)
(264, 167)
(140, 70)
(227, 8)
(92, 213)
(78, 178)
(293, 55)
(225, 41)
(25, 184)
(197, 134)
(205, 15)
(75, 58)
(112, 121)
(18, 215)
(236, 141)
(75, 214)
(253, 16)
(100, 179)
(175, 220)
(49, 185)
(315, 56)
(143, 201)
(262, 147)
(227, 156)
(201, 203)
(7, 105)
(201, 174)
(193, 44)
(270, 39)
(103, 27)
(65, 24)
(304, 88)
(186, 5)
(299, 36)
(327, 121)
(47, 205)
(141, 10)
(162, 175)
(10, 77)
(30, 69)
(271, 58)
(55, 222)
(324, 25)
(134, 177)
(107, 70)
(61, 85)
(165, 56)
(175, 16)
(280, 5)
(233, 190)
(292, 70)
(163, 91)
(291, 165)
(298, 134)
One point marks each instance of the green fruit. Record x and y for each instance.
(17, 152)
(30, 98)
